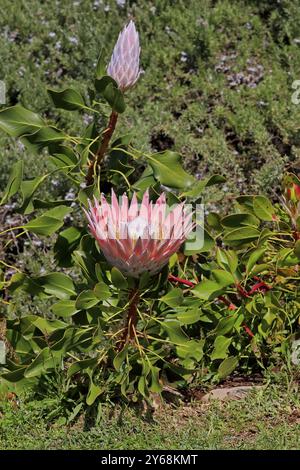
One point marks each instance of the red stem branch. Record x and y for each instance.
(248, 331)
(181, 281)
(259, 285)
(242, 291)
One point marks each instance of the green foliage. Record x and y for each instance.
(69, 99)
(240, 314)
(18, 121)
(14, 182)
(108, 88)
(167, 169)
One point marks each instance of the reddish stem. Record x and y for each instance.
(131, 320)
(248, 331)
(224, 300)
(96, 160)
(242, 291)
(229, 304)
(259, 285)
(181, 281)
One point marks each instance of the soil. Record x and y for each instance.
(235, 380)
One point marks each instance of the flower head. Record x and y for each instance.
(125, 60)
(138, 239)
(293, 193)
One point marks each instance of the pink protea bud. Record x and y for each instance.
(125, 60)
(138, 239)
(293, 193)
(297, 191)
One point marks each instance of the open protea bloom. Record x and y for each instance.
(138, 239)
(125, 60)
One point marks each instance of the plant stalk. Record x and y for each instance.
(96, 160)
(131, 320)
(181, 281)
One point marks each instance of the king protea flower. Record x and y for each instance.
(138, 239)
(125, 60)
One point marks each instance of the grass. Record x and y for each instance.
(266, 419)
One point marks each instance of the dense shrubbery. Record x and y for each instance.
(229, 304)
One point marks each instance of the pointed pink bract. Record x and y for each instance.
(138, 239)
(124, 65)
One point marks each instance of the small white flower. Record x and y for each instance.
(73, 40)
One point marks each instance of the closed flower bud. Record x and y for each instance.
(124, 66)
(293, 193)
(297, 191)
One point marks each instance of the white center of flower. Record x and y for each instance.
(136, 227)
